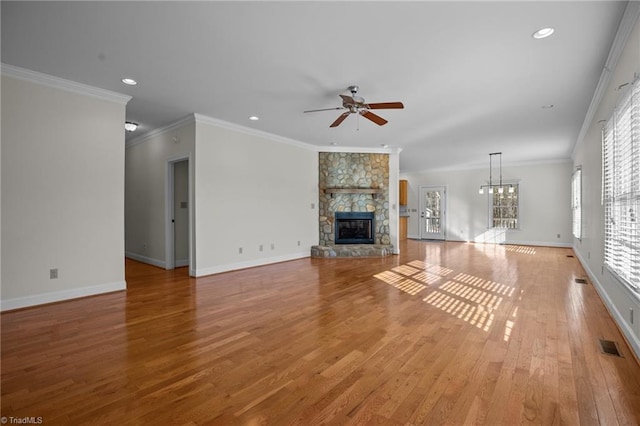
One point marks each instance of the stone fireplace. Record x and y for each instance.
(353, 184)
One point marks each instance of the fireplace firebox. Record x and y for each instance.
(354, 228)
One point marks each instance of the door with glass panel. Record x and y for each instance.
(432, 212)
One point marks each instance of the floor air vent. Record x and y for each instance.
(581, 281)
(570, 255)
(609, 347)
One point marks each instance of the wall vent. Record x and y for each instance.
(570, 255)
(609, 347)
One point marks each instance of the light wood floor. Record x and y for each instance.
(446, 333)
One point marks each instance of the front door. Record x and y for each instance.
(432, 212)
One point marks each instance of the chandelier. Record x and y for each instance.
(491, 186)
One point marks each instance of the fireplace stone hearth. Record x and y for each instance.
(352, 250)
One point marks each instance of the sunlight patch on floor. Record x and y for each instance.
(401, 282)
(508, 327)
(520, 249)
(472, 299)
(472, 294)
(474, 314)
(484, 284)
(434, 269)
(414, 276)
(467, 297)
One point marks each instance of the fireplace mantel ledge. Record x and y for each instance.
(373, 191)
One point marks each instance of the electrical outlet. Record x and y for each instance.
(313, 206)
(261, 248)
(240, 250)
(631, 315)
(53, 274)
(298, 243)
(558, 235)
(273, 246)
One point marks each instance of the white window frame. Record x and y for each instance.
(576, 202)
(621, 189)
(491, 199)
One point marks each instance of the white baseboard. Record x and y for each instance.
(144, 259)
(538, 244)
(519, 243)
(57, 296)
(629, 334)
(200, 272)
(182, 262)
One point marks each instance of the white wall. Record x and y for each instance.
(590, 249)
(252, 190)
(545, 211)
(62, 189)
(145, 188)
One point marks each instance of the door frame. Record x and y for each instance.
(443, 213)
(169, 236)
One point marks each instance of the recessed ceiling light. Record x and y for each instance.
(384, 145)
(543, 33)
(547, 106)
(130, 126)
(254, 118)
(129, 81)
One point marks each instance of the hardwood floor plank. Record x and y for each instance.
(445, 333)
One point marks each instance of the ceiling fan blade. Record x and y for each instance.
(340, 119)
(348, 100)
(385, 105)
(324, 109)
(373, 117)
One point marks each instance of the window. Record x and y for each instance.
(504, 207)
(576, 202)
(621, 188)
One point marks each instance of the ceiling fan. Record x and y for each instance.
(356, 105)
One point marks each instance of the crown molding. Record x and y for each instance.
(477, 166)
(356, 150)
(161, 130)
(62, 84)
(203, 119)
(629, 19)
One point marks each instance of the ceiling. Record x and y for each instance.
(472, 78)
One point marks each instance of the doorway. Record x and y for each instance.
(178, 207)
(432, 212)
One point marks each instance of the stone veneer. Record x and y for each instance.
(353, 171)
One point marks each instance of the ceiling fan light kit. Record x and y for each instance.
(355, 104)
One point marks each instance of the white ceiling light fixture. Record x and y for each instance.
(130, 126)
(254, 118)
(129, 81)
(543, 33)
(491, 186)
(549, 106)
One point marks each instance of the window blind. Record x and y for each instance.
(621, 188)
(576, 202)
